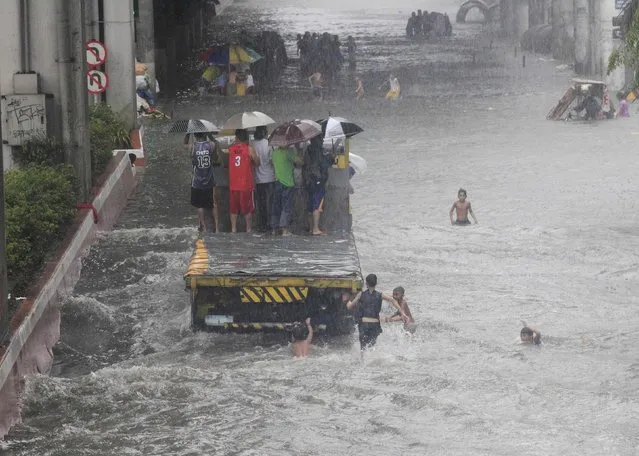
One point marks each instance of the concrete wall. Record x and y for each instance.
(36, 325)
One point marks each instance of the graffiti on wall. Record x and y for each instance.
(24, 115)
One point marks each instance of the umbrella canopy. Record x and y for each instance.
(233, 54)
(357, 163)
(246, 120)
(193, 126)
(338, 127)
(294, 132)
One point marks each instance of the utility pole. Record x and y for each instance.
(73, 90)
(4, 302)
(145, 37)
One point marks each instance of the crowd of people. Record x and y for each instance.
(430, 25)
(321, 53)
(260, 179)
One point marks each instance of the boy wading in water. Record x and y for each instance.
(409, 322)
(462, 209)
(369, 304)
(301, 338)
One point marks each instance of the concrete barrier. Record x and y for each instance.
(36, 324)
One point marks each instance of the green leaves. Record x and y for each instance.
(39, 202)
(628, 53)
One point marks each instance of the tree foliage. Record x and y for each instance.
(628, 53)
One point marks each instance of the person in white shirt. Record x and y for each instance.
(265, 183)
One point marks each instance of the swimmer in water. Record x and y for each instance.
(529, 335)
(462, 208)
(301, 338)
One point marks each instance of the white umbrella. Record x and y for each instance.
(193, 126)
(246, 120)
(357, 163)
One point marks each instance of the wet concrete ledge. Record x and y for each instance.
(36, 325)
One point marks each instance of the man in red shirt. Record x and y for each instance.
(242, 159)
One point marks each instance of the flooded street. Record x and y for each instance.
(556, 246)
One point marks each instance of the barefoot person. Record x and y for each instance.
(242, 159)
(301, 338)
(202, 183)
(462, 208)
(369, 304)
(359, 90)
(409, 322)
(317, 84)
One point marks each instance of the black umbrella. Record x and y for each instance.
(338, 127)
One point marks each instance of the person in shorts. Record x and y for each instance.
(369, 304)
(462, 209)
(202, 182)
(242, 159)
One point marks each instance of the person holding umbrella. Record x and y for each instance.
(284, 160)
(242, 159)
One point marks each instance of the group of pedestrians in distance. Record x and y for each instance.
(320, 53)
(259, 178)
(427, 24)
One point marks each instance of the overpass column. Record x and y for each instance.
(582, 36)
(10, 59)
(120, 65)
(521, 13)
(507, 17)
(563, 33)
(616, 79)
(145, 31)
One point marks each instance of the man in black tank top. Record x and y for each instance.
(368, 304)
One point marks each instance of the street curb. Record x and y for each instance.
(37, 321)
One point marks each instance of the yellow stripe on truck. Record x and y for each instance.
(273, 294)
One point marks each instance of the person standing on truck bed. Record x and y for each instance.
(369, 305)
(242, 159)
(284, 161)
(202, 182)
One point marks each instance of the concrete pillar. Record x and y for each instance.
(44, 56)
(616, 79)
(92, 30)
(120, 65)
(10, 58)
(507, 17)
(521, 13)
(145, 33)
(595, 56)
(563, 33)
(582, 35)
(72, 68)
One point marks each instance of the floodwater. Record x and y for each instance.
(556, 245)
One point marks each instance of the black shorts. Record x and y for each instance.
(202, 199)
(462, 222)
(368, 333)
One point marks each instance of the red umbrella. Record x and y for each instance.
(294, 132)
